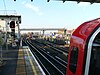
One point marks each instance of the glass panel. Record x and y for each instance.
(95, 57)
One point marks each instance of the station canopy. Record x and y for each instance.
(78, 1)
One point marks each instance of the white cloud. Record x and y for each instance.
(32, 7)
(40, 13)
(84, 5)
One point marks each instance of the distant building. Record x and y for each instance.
(2, 25)
(61, 31)
(66, 33)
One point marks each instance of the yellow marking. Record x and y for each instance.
(33, 68)
(20, 69)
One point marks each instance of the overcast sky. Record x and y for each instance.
(55, 14)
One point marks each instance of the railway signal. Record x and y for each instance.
(12, 26)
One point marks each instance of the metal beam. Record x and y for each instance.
(41, 29)
(11, 17)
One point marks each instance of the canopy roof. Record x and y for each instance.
(91, 1)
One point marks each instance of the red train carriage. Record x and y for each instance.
(84, 51)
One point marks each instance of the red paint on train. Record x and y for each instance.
(78, 47)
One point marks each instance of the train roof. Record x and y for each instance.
(86, 29)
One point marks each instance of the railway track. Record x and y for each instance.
(64, 49)
(52, 45)
(50, 65)
(51, 49)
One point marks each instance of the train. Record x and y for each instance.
(84, 50)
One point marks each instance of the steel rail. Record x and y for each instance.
(47, 59)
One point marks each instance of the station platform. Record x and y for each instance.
(20, 62)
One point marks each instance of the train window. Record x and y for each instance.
(73, 59)
(94, 68)
(97, 39)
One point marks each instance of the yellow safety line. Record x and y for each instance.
(33, 68)
(18, 68)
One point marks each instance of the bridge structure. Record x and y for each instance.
(43, 29)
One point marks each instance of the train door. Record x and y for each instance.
(92, 66)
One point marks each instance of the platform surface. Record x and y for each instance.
(20, 62)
